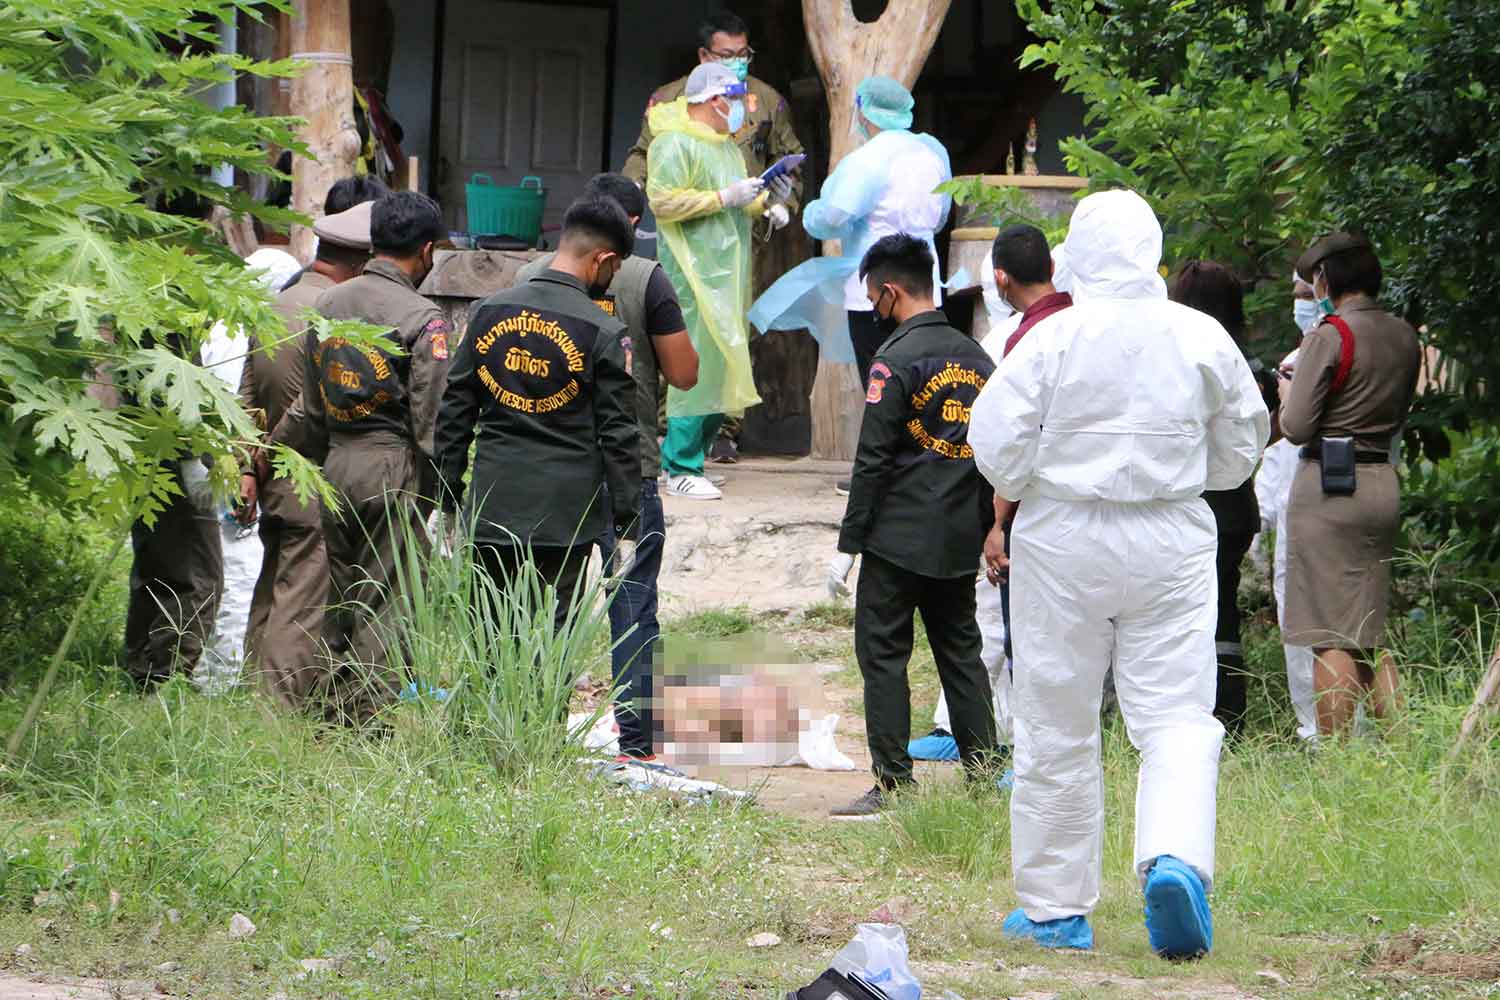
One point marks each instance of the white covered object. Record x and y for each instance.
(991, 621)
(816, 747)
(1273, 488)
(1107, 422)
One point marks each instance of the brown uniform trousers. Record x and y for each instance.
(175, 582)
(286, 611)
(766, 137)
(379, 461)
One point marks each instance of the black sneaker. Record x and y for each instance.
(841, 487)
(867, 806)
(724, 451)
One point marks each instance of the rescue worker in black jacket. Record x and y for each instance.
(918, 512)
(544, 376)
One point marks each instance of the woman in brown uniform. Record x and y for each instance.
(1339, 544)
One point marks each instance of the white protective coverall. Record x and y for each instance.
(224, 355)
(1107, 422)
(1273, 489)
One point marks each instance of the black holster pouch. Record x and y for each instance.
(1338, 459)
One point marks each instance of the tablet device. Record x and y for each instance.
(783, 166)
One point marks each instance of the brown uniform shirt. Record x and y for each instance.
(766, 136)
(271, 384)
(1372, 406)
(347, 392)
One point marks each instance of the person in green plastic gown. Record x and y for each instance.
(703, 201)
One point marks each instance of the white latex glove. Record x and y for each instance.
(624, 561)
(742, 192)
(195, 483)
(838, 575)
(781, 188)
(778, 216)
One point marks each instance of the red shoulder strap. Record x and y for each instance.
(1346, 352)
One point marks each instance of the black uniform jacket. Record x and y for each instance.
(915, 498)
(544, 375)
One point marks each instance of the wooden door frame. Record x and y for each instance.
(440, 31)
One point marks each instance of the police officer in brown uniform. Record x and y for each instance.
(766, 137)
(286, 610)
(371, 416)
(1353, 385)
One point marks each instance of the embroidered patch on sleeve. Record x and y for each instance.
(629, 355)
(876, 390)
(437, 329)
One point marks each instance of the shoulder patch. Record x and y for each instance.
(877, 388)
(752, 102)
(880, 368)
(629, 348)
(437, 329)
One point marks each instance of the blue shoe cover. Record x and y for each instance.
(437, 694)
(1066, 932)
(1007, 781)
(1178, 921)
(933, 747)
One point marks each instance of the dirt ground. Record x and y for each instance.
(766, 545)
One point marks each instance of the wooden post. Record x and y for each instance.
(846, 51)
(324, 96)
(1486, 697)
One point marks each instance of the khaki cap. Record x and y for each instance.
(1326, 247)
(349, 228)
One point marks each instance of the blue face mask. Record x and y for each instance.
(736, 117)
(1306, 314)
(739, 65)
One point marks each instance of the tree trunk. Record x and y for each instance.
(324, 96)
(847, 51)
(1486, 697)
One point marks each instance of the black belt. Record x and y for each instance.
(1314, 454)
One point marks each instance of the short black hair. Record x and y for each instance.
(351, 191)
(622, 189)
(1212, 288)
(596, 221)
(1350, 271)
(899, 259)
(1022, 252)
(404, 220)
(347, 257)
(726, 21)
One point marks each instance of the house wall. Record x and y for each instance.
(412, 77)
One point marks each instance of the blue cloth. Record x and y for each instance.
(936, 746)
(1007, 781)
(410, 693)
(633, 605)
(1067, 932)
(813, 295)
(1178, 920)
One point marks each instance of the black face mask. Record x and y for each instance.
(885, 324)
(598, 289)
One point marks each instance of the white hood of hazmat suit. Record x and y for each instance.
(1107, 422)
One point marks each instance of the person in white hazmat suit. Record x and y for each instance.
(1273, 490)
(224, 355)
(1107, 422)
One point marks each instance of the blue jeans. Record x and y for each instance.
(634, 604)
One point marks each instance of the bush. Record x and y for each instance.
(47, 558)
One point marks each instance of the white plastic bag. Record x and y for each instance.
(877, 955)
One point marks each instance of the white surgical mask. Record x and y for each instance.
(1306, 314)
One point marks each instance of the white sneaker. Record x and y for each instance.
(693, 488)
(716, 478)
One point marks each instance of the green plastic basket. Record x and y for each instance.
(506, 211)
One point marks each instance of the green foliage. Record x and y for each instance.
(1252, 127)
(46, 562)
(102, 118)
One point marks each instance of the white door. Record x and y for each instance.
(523, 96)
